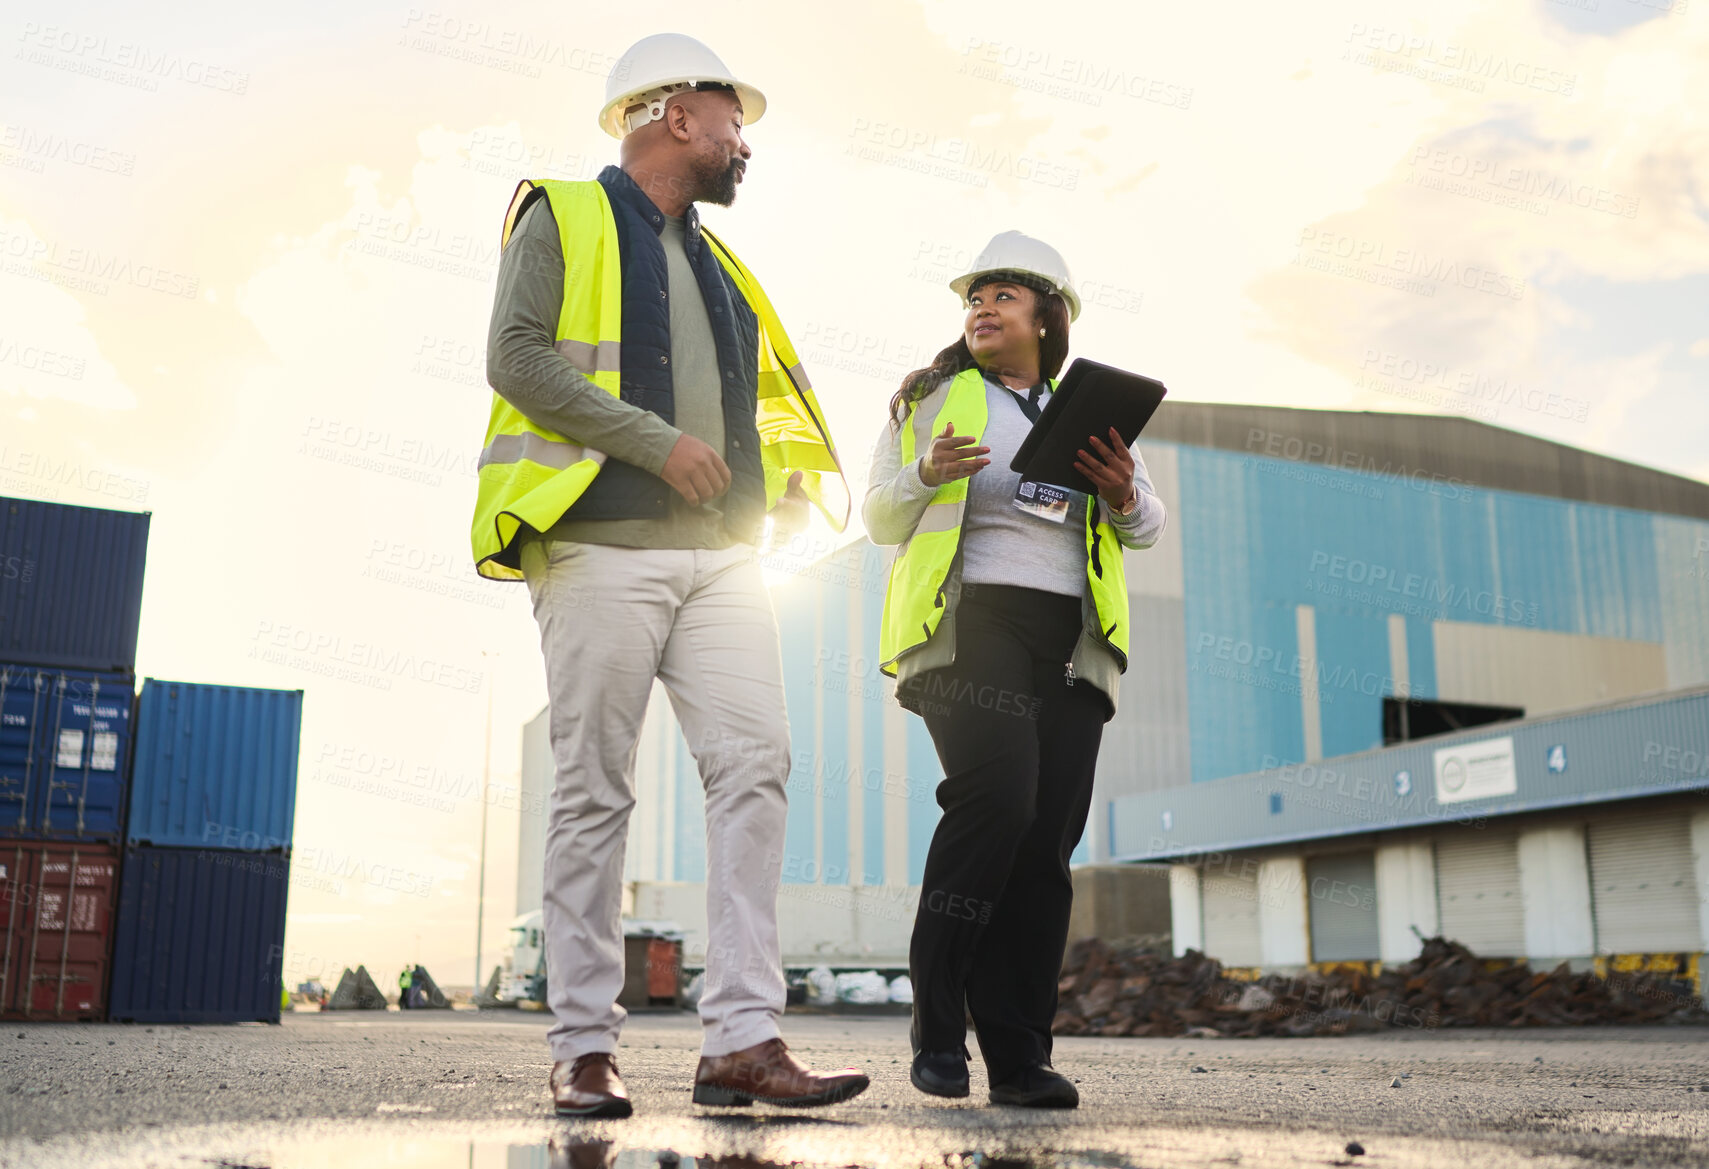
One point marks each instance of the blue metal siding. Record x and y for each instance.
(65, 752)
(216, 766)
(689, 861)
(876, 778)
(924, 774)
(1262, 536)
(1421, 658)
(199, 936)
(70, 584)
(836, 783)
(1353, 656)
(795, 629)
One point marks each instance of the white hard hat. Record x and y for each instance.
(1011, 251)
(659, 66)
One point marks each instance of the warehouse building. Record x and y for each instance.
(1560, 838)
(1331, 583)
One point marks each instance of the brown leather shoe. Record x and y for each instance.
(590, 1086)
(768, 1073)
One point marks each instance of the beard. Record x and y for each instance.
(715, 180)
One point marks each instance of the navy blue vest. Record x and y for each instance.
(622, 490)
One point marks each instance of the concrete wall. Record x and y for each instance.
(1120, 901)
(1284, 928)
(1554, 881)
(537, 777)
(838, 925)
(1406, 898)
(1186, 909)
(1541, 670)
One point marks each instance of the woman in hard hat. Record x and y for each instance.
(1002, 633)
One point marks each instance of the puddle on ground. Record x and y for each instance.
(770, 1143)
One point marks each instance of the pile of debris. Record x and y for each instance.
(1136, 991)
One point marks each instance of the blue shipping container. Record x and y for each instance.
(216, 766)
(65, 753)
(70, 584)
(200, 936)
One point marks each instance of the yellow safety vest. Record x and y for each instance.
(529, 475)
(914, 601)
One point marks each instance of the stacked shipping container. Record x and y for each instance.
(153, 862)
(207, 854)
(70, 602)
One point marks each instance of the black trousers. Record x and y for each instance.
(1018, 744)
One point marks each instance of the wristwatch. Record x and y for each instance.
(1127, 508)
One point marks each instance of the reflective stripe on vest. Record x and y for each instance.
(529, 476)
(914, 600)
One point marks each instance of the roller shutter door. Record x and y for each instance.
(1231, 919)
(1643, 884)
(1343, 907)
(1477, 893)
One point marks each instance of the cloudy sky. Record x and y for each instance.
(248, 261)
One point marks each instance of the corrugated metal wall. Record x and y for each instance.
(1478, 891)
(199, 937)
(1274, 549)
(70, 584)
(216, 766)
(1343, 907)
(1643, 883)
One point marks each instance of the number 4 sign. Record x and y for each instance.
(1558, 759)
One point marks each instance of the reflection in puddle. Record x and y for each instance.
(733, 1143)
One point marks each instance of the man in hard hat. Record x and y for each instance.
(637, 364)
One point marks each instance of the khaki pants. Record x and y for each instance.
(611, 620)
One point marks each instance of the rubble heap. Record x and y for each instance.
(1134, 991)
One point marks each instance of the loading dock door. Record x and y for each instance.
(1477, 892)
(1231, 918)
(1343, 907)
(1643, 886)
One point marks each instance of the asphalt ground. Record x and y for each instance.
(468, 1089)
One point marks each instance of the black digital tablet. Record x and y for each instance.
(1089, 400)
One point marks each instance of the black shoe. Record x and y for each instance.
(1036, 1086)
(940, 1073)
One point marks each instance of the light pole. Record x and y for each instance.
(486, 774)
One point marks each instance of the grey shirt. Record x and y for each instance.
(995, 548)
(529, 373)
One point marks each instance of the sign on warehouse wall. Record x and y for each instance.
(1475, 771)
